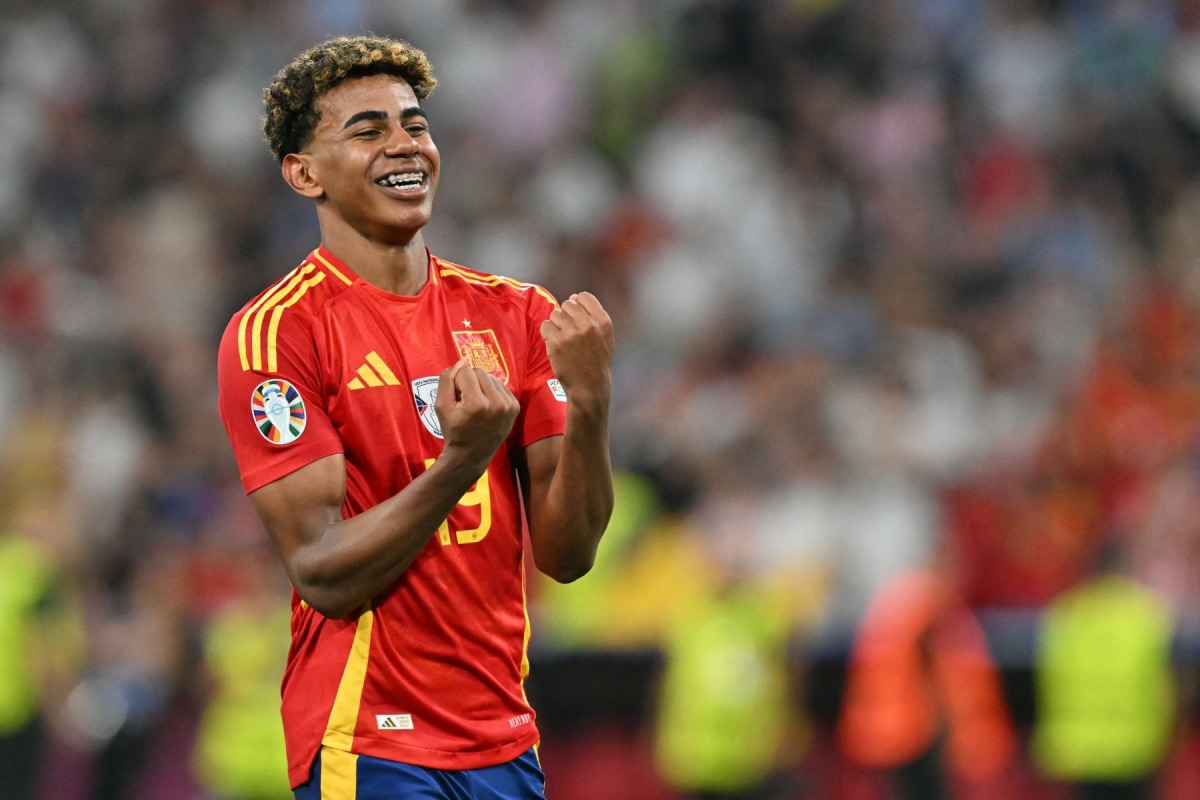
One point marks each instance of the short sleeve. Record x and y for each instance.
(543, 402)
(276, 421)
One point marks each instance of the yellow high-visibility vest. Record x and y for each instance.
(239, 749)
(725, 706)
(1105, 686)
(25, 580)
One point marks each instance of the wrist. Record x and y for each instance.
(589, 406)
(460, 465)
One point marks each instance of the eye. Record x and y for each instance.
(416, 130)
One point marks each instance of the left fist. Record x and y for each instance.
(579, 341)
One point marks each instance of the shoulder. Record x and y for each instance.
(455, 277)
(284, 309)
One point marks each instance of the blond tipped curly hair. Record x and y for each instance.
(291, 98)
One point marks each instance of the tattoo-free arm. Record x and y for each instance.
(337, 565)
(568, 479)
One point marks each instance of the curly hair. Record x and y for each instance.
(292, 96)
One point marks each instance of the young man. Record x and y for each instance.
(399, 421)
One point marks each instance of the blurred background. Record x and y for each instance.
(907, 391)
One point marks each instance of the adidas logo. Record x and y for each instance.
(374, 373)
(394, 722)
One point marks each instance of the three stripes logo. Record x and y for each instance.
(394, 722)
(374, 372)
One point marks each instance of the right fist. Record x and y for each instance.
(475, 409)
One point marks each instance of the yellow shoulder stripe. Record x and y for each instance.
(284, 294)
(496, 280)
(277, 312)
(336, 272)
(268, 298)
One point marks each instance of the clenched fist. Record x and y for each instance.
(476, 411)
(579, 341)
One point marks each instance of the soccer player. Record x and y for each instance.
(399, 422)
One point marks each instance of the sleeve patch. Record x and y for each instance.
(278, 410)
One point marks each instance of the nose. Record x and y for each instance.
(401, 145)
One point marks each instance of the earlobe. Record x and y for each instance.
(297, 171)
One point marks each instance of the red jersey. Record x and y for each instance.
(432, 672)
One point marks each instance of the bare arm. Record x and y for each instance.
(337, 565)
(568, 478)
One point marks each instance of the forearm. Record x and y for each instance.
(567, 523)
(352, 560)
(337, 565)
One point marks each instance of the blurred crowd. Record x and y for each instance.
(901, 288)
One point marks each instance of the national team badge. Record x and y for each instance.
(279, 412)
(481, 349)
(425, 392)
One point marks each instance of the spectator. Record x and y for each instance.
(923, 700)
(727, 725)
(239, 751)
(41, 638)
(1106, 690)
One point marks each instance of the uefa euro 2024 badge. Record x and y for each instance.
(278, 410)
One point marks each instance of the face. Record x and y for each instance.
(372, 163)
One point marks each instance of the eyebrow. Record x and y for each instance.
(405, 115)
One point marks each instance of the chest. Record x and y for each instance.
(382, 360)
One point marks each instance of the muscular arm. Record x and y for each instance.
(568, 479)
(337, 565)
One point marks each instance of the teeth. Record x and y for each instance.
(406, 180)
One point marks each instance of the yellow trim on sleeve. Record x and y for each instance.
(267, 296)
(338, 273)
(277, 312)
(265, 304)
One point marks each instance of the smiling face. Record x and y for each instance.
(371, 164)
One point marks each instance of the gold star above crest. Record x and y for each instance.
(466, 323)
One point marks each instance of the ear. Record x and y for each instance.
(299, 174)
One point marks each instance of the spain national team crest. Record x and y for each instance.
(279, 412)
(481, 349)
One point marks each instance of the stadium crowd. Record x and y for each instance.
(898, 285)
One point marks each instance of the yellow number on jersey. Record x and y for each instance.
(478, 495)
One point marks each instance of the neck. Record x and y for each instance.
(400, 267)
